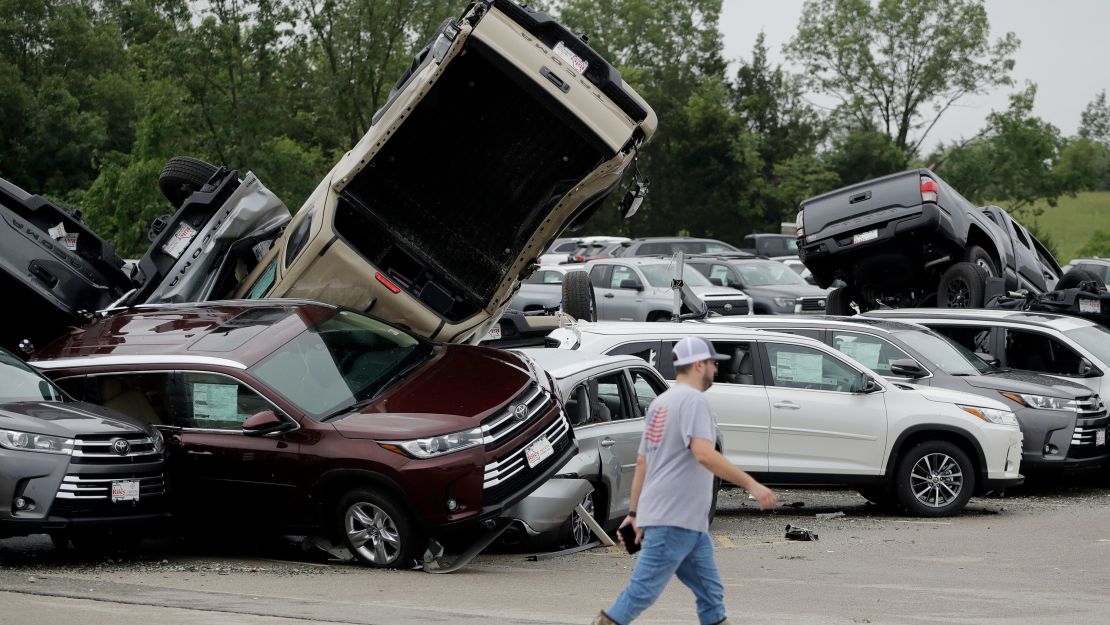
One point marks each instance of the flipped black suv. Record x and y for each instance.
(910, 239)
(68, 468)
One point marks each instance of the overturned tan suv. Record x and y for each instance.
(506, 129)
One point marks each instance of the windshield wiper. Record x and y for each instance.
(349, 408)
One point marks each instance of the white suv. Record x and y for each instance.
(794, 411)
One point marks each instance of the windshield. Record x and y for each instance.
(660, 275)
(340, 361)
(1095, 339)
(768, 274)
(948, 356)
(19, 382)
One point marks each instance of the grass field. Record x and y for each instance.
(1072, 221)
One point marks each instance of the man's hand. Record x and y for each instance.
(630, 520)
(765, 496)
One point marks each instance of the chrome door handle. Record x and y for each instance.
(609, 295)
(608, 442)
(789, 405)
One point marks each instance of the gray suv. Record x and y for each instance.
(1056, 416)
(639, 289)
(69, 469)
(775, 289)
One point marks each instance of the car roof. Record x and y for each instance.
(633, 260)
(687, 328)
(1059, 322)
(824, 321)
(674, 239)
(235, 333)
(563, 363)
(1104, 261)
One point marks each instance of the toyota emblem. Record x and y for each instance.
(520, 412)
(120, 446)
(728, 307)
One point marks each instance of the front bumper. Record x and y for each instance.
(549, 505)
(1063, 439)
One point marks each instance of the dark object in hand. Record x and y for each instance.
(628, 535)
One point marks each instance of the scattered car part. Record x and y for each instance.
(800, 533)
(578, 297)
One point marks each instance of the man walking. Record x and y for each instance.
(672, 491)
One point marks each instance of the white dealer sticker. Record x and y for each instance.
(180, 240)
(578, 63)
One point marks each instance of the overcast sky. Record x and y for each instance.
(1065, 50)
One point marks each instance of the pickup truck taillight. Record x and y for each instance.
(929, 190)
(798, 224)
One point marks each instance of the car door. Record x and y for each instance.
(217, 470)
(738, 400)
(599, 278)
(1028, 263)
(614, 426)
(624, 299)
(821, 420)
(873, 352)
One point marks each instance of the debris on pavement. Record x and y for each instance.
(795, 504)
(800, 533)
(830, 515)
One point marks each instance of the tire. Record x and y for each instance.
(979, 256)
(934, 478)
(575, 532)
(378, 531)
(839, 302)
(183, 175)
(578, 296)
(963, 285)
(713, 502)
(1076, 278)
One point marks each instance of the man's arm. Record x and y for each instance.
(713, 460)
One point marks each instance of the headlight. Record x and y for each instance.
(1000, 417)
(436, 445)
(783, 302)
(1042, 402)
(156, 438)
(23, 441)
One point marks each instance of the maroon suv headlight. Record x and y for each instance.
(434, 446)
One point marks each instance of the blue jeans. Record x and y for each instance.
(668, 551)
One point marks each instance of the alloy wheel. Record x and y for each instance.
(372, 533)
(958, 294)
(580, 533)
(936, 480)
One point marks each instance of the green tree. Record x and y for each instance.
(858, 154)
(1015, 160)
(1097, 245)
(900, 64)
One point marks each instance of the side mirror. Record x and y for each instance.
(265, 422)
(633, 199)
(907, 368)
(988, 358)
(1088, 370)
(718, 281)
(871, 386)
(632, 284)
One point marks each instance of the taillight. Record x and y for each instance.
(798, 224)
(929, 190)
(388, 283)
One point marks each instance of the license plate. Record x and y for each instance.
(493, 334)
(1100, 438)
(538, 451)
(1090, 305)
(864, 237)
(578, 63)
(125, 490)
(180, 240)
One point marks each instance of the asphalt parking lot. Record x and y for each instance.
(1037, 555)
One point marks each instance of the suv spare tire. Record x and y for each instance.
(839, 302)
(1078, 277)
(183, 175)
(578, 296)
(963, 285)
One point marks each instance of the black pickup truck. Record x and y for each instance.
(910, 239)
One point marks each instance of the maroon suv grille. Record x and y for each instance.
(506, 476)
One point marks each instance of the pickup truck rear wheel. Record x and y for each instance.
(378, 531)
(962, 286)
(934, 478)
(182, 175)
(578, 296)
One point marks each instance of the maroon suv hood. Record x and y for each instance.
(454, 391)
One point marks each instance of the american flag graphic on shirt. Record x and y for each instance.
(653, 433)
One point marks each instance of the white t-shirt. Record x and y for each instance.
(677, 490)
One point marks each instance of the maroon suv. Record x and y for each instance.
(301, 417)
